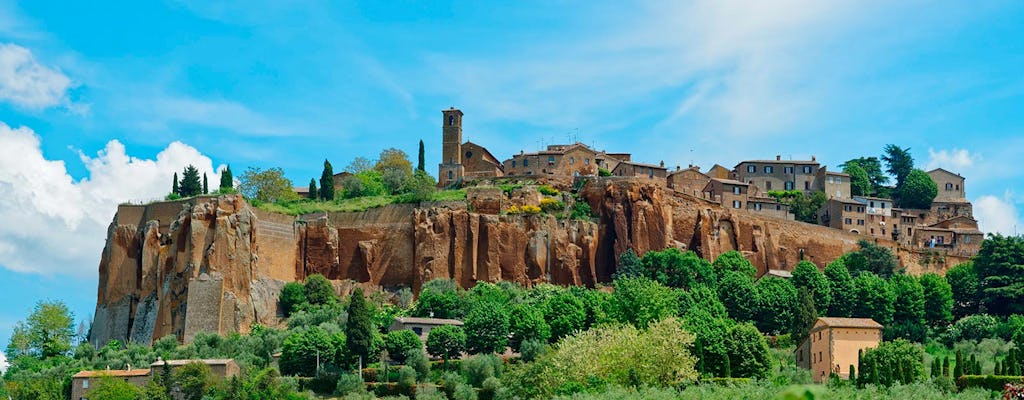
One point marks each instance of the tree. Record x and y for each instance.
(844, 295)
(860, 184)
(487, 328)
(938, 300)
(394, 167)
(399, 343)
(678, 269)
(891, 356)
(565, 314)
(190, 184)
(421, 165)
(359, 165)
(629, 265)
(898, 163)
(908, 309)
(805, 317)
(873, 168)
(194, 380)
(875, 298)
(870, 258)
(227, 181)
(266, 185)
(641, 301)
(421, 187)
(749, 356)
(774, 305)
(292, 297)
(804, 207)
(447, 342)
(998, 266)
(108, 388)
(174, 185)
(318, 290)
(302, 350)
(736, 291)
(206, 184)
(734, 261)
(439, 298)
(313, 193)
(807, 275)
(46, 333)
(917, 191)
(359, 329)
(526, 323)
(963, 281)
(327, 181)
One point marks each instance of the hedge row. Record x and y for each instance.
(990, 382)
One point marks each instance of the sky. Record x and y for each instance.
(101, 102)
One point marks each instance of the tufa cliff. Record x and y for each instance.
(216, 264)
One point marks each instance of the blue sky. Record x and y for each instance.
(100, 102)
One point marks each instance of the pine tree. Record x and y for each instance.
(190, 184)
(958, 368)
(226, 180)
(422, 164)
(358, 329)
(327, 182)
(312, 189)
(174, 185)
(206, 184)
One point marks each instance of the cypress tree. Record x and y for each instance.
(945, 366)
(997, 370)
(958, 368)
(875, 379)
(894, 376)
(974, 365)
(312, 189)
(1014, 366)
(327, 182)
(935, 367)
(699, 350)
(860, 367)
(853, 374)
(174, 185)
(226, 180)
(206, 184)
(727, 368)
(422, 164)
(358, 329)
(190, 184)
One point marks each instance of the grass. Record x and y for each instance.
(300, 207)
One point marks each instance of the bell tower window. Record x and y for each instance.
(451, 120)
(450, 175)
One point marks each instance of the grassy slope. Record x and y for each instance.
(300, 207)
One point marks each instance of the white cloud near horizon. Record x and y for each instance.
(955, 160)
(55, 225)
(29, 84)
(998, 215)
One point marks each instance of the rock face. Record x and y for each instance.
(216, 264)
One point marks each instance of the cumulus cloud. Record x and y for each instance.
(27, 83)
(952, 159)
(54, 224)
(997, 215)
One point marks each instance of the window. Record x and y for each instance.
(860, 222)
(787, 170)
(957, 187)
(737, 204)
(751, 168)
(778, 207)
(860, 209)
(807, 185)
(768, 185)
(469, 154)
(872, 204)
(451, 120)
(807, 169)
(526, 162)
(551, 159)
(450, 175)
(872, 231)
(757, 206)
(949, 186)
(830, 180)
(513, 163)
(789, 185)
(572, 160)
(883, 206)
(85, 383)
(848, 207)
(768, 169)
(735, 190)
(586, 161)
(848, 221)
(417, 330)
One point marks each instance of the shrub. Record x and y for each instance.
(548, 190)
(406, 379)
(581, 210)
(528, 209)
(531, 349)
(417, 359)
(990, 382)
(490, 388)
(479, 368)
(293, 297)
(603, 172)
(349, 383)
(398, 343)
(551, 205)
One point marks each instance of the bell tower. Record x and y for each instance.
(450, 170)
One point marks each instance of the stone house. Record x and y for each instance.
(460, 160)
(779, 174)
(219, 368)
(834, 184)
(844, 214)
(690, 180)
(727, 192)
(421, 326)
(878, 213)
(84, 382)
(720, 172)
(959, 234)
(769, 206)
(563, 161)
(833, 344)
(951, 185)
(633, 169)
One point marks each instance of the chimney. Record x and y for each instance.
(813, 158)
(778, 157)
(677, 168)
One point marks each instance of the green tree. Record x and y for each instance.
(898, 163)
(303, 349)
(421, 165)
(870, 258)
(46, 333)
(487, 328)
(227, 181)
(999, 264)
(807, 275)
(174, 185)
(890, 356)
(860, 184)
(678, 269)
(447, 342)
(190, 184)
(266, 185)
(805, 316)
(917, 191)
(108, 388)
(439, 298)
(803, 206)
(840, 283)
(194, 380)
(313, 192)
(963, 281)
(292, 298)
(526, 322)
(873, 168)
(327, 181)
(395, 169)
(206, 184)
(736, 291)
(629, 265)
(774, 305)
(399, 343)
(748, 352)
(938, 300)
(875, 298)
(318, 290)
(565, 314)
(734, 261)
(359, 329)
(641, 301)
(421, 187)
(908, 309)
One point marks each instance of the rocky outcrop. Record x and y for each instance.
(216, 264)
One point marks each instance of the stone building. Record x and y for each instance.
(563, 161)
(84, 382)
(720, 172)
(463, 161)
(421, 326)
(951, 185)
(833, 344)
(689, 180)
(878, 216)
(846, 215)
(633, 169)
(834, 184)
(958, 234)
(779, 174)
(219, 368)
(768, 206)
(727, 192)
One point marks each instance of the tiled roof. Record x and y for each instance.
(427, 321)
(117, 373)
(836, 322)
(730, 182)
(178, 363)
(809, 162)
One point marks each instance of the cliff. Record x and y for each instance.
(216, 264)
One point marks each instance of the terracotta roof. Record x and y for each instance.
(944, 170)
(781, 273)
(427, 321)
(730, 182)
(809, 162)
(117, 373)
(836, 322)
(178, 363)
(836, 173)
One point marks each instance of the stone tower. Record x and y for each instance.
(451, 170)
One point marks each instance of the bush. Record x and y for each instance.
(551, 205)
(406, 380)
(581, 210)
(292, 297)
(479, 368)
(349, 383)
(975, 327)
(603, 172)
(398, 343)
(490, 388)
(417, 359)
(319, 290)
(531, 349)
(548, 190)
(990, 382)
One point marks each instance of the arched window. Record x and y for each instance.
(450, 175)
(451, 120)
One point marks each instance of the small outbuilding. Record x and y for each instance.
(833, 344)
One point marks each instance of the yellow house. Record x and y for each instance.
(833, 344)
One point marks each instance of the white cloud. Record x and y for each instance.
(953, 159)
(159, 112)
(53, 224)
(27, 83)
(3, 362)
(998, 215)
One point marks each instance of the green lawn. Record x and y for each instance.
(300, 207)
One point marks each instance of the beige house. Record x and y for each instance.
(720, 172)
(421, 326)
(84, 382)
(951, 185)
(877, 216)
(563, 161)
(220, 368)
(779, 174)
(833, 344)
(834, 184)
(844, 214)
(689, 180)
(727, 192)
(769, 206)
(640, 170)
